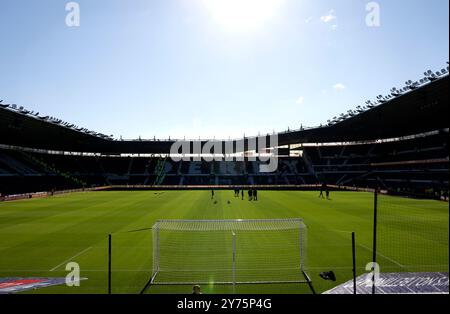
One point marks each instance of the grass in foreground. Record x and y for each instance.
(39, 237)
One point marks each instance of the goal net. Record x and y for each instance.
(229, 252)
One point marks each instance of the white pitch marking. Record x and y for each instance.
(389, 259)
(367, 248)
(70, 259)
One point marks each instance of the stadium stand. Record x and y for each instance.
(399, 143)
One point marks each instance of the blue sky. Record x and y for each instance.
(192, 68)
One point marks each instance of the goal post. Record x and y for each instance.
(229, 252)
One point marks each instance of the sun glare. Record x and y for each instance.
(242, 15)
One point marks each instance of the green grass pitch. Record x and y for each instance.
(39, 237)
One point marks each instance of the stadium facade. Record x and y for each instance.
(398, 143)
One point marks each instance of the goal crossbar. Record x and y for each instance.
(230, 224)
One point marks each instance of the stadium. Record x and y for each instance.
(358, 204)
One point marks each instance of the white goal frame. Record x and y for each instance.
(235, 227)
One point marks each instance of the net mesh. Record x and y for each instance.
(229, 251)
(131, 261)
(412, 236)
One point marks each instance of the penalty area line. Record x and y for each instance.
(71, 258)
(383, 256)
(367, 248)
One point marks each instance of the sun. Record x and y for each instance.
(242, 15)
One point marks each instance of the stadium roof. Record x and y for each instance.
(424, 108)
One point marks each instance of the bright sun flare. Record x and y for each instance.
(242, 15)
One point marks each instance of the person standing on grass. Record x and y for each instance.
(250, 194)
(212, 194)
(255, 195)
(242, 194)
(322, 189)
